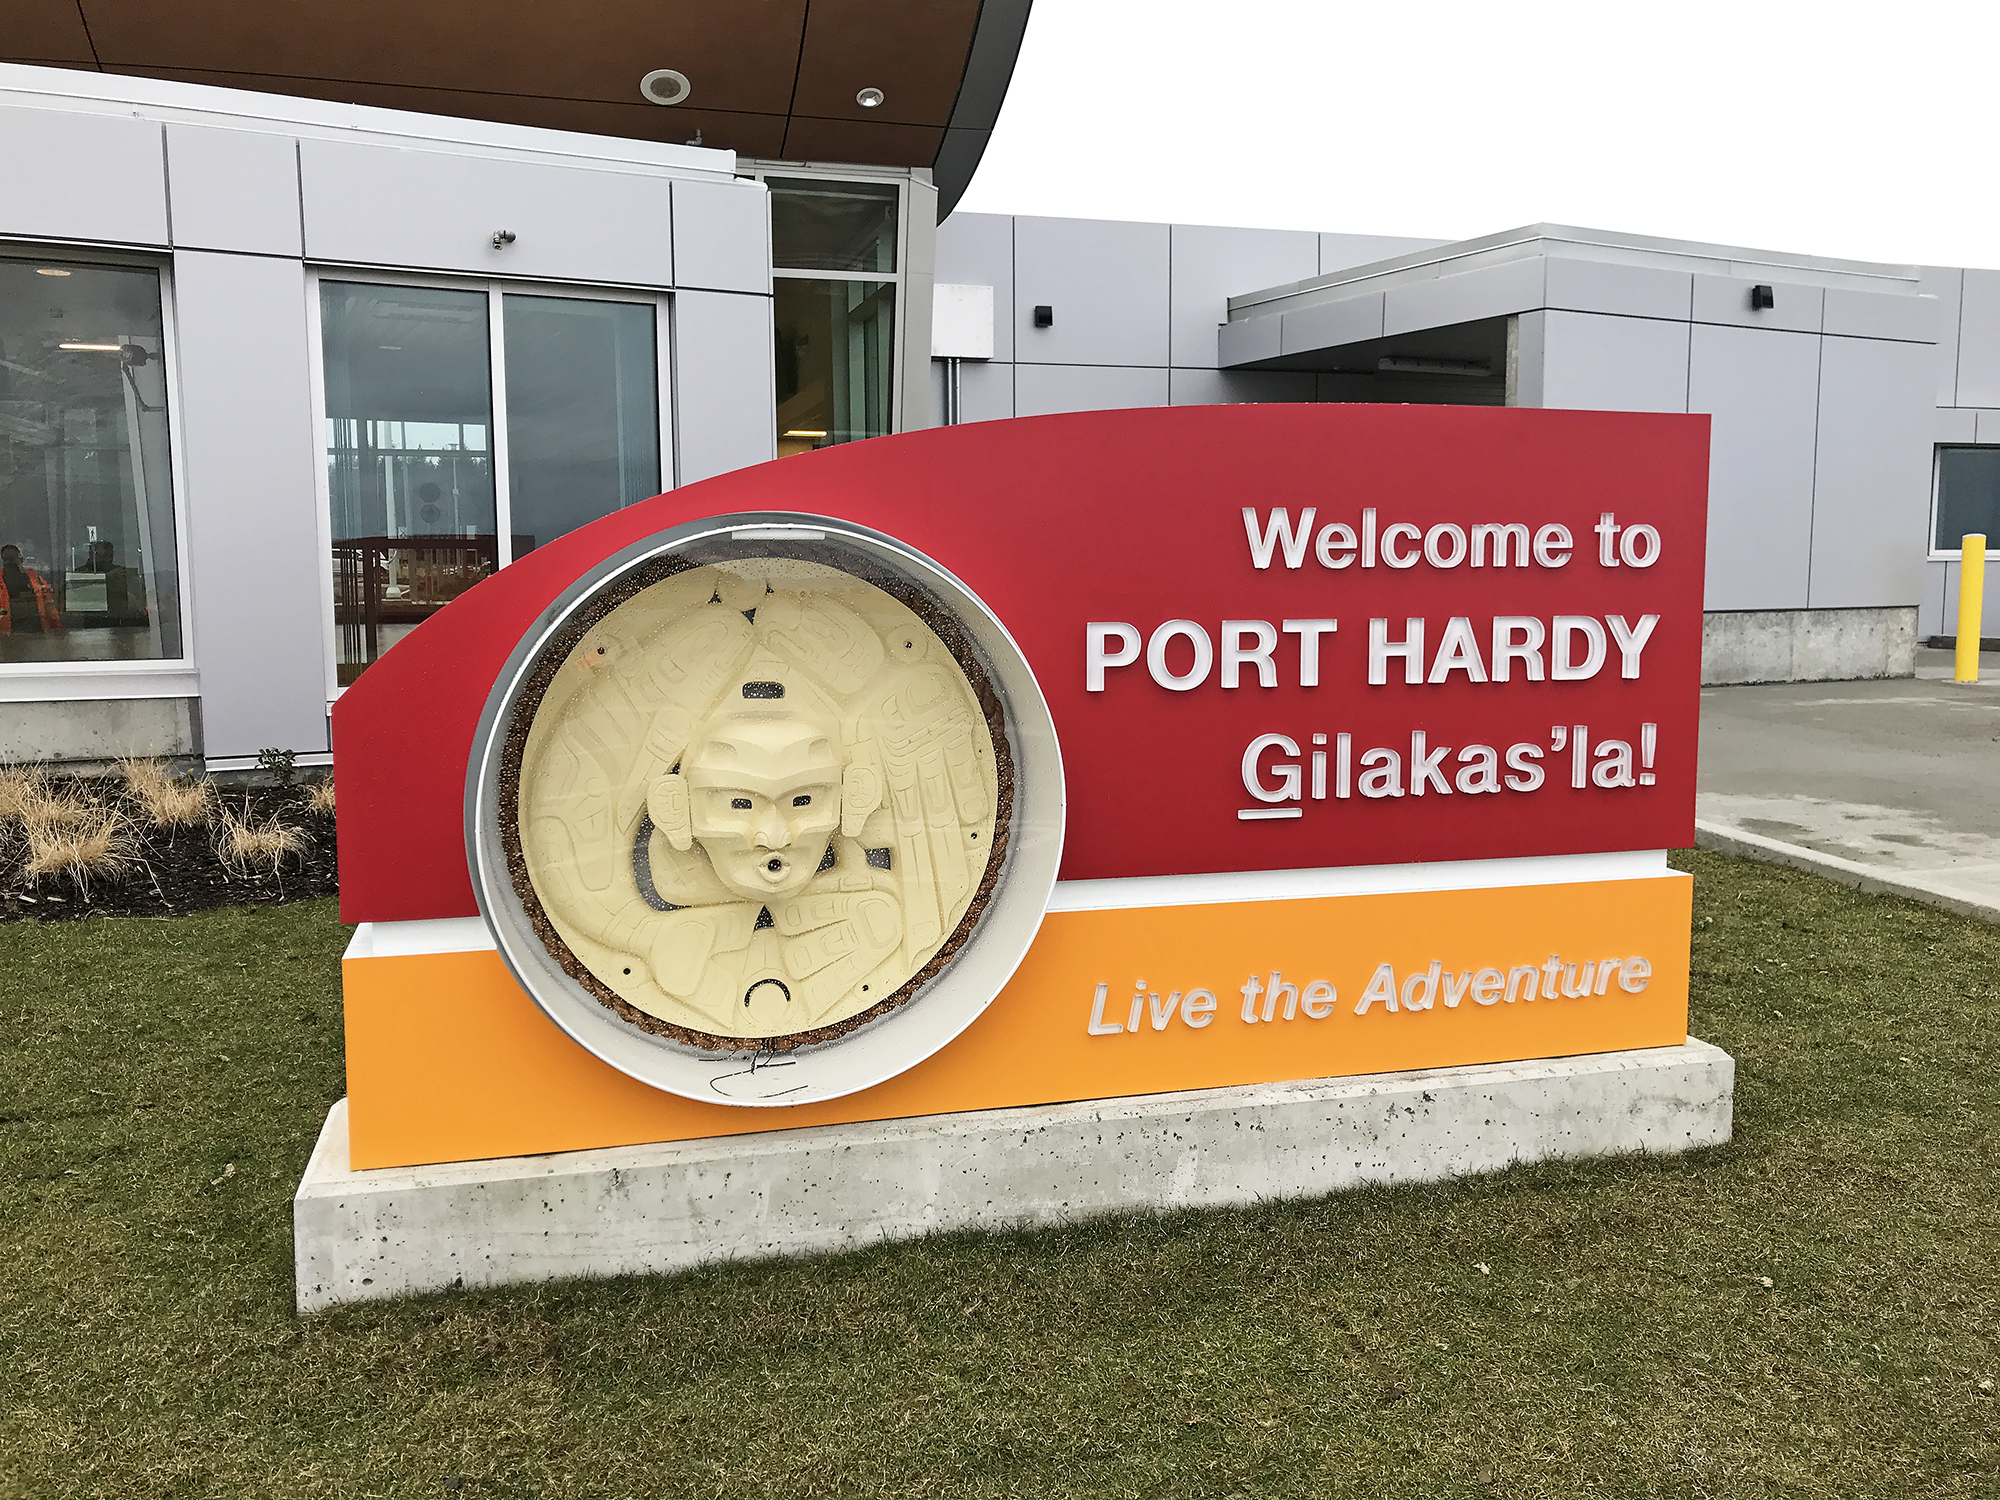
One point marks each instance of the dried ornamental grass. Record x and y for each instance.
(175, 804)
(141, 774)
(64, 808)
(21, 788)
(28, 796)
(99, 849)
(248, 848)
(320, 798)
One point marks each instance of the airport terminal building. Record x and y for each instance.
(289, 360)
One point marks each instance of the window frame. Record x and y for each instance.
(494, 289)
(763, 171)
(1933, 552)
(157, 677)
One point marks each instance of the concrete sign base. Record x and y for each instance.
(396, 1231)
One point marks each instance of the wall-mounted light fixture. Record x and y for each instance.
(665, 86)
(1762, 299)
(1045, 316)
(502, 238)
(869, 98)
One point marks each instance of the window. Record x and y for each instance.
(583, 421)
(1968, 497)
(88, 566)
(834, 286)
(426, 495)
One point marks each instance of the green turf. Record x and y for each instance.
(1809, 1311)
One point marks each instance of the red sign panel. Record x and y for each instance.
(1272, 637)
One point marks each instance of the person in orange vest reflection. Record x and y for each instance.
(30, 604)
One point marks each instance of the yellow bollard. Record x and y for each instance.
(1971, 605)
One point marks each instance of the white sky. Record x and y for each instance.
(1867, 132)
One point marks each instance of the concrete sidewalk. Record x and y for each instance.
(1889, 785)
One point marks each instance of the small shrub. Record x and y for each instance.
(100, 849)
(320, 798)
(249, 849)
(280, 765)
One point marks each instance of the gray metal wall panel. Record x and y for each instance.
(1107, 283)
(1986, 425)
(1955, 425)
(233, 190)
(1871, 493)
(1250, 339)
(722, 236)
(1227, 387)
(82, 177)
(377, 205)
(1338, 252)
(724, 417)
(1595, 363)
(1490, 292)
(253, 544)
(1529, 358)
(1979, 340)
(1039, 389)
(1945, 283)
(985, 391)
(1608, 287)
(1331, 324)
(918, 308)
(1209, 266)
(978, 250)
(1726, 299)
(1930, 608)
(1880, 315)
(1947, 614)
(1762, 389)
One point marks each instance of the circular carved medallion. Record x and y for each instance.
(764, 809)
(756, 799)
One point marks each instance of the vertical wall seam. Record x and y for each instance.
(1812, 512)
(1958, 343)
(166, 188)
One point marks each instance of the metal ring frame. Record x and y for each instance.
(948, 1004)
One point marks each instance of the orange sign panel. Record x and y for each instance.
(449, 1060)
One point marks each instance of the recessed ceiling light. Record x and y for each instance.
(868, 98)
(94, 348)
(806, 432)
(49, 271)
(665, 86)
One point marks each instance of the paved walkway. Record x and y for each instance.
(1889, 785)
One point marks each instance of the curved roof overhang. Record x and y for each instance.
(775, 79)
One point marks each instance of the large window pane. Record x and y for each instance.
(1968, 496)
(835, 355)
(409, 414)
(87, 561)
(583, 415)
(833, 226)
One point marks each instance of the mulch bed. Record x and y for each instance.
(179, 871)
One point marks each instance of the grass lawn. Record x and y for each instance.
(1813, 1310)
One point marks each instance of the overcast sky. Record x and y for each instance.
(1865, 132)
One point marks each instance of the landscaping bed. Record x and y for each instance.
(146, 843)
(1813, 1310)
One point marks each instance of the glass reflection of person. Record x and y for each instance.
(30, 604)
(124, 588)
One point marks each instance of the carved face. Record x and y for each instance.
(764, 795)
